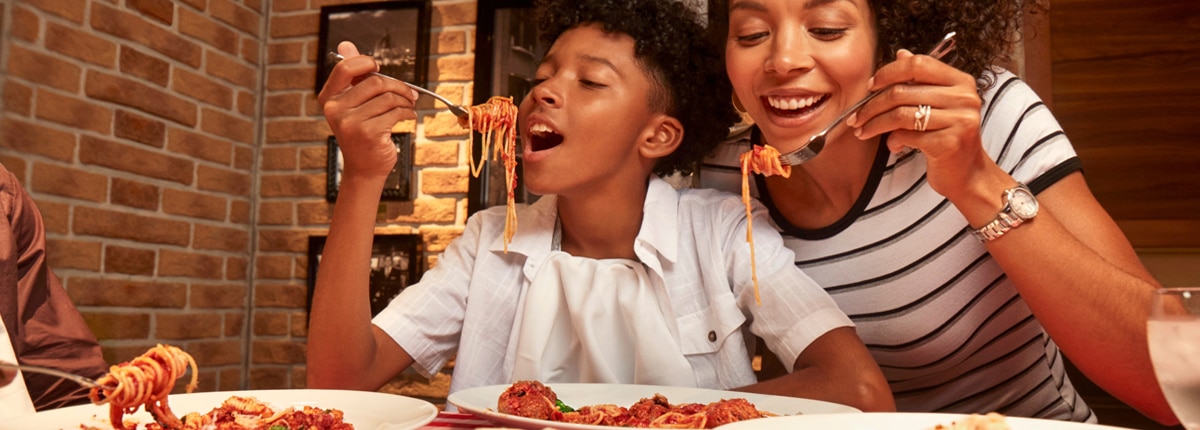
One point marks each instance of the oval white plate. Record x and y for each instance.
(481, 401)
(895, 421)
(366, 410)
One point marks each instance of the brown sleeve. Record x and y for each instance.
(45, 327)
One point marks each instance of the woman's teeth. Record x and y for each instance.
(792, 103)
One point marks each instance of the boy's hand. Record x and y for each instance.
(361, 110)
(7, 376)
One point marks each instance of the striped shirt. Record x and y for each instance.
(945, 323)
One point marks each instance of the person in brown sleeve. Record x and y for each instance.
(40, 324)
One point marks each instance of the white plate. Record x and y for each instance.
(366, 410)
(482, 401)
(895, 421)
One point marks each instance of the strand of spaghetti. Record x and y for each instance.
(145, 381)
(496, 120)
(763, 160)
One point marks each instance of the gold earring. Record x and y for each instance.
(737, 104)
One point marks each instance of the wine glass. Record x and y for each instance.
(1173, 332)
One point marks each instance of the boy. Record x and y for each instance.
(613, 276)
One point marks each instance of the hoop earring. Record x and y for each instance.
(737, 104)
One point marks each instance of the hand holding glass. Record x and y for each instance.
(1173, 332)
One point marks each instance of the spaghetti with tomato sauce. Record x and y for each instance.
(763, 160)
(496, 119)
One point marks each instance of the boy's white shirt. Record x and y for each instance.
(693, 241)
(14, 397)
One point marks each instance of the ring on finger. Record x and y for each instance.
(921, 118)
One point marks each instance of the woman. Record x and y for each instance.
(911, 216)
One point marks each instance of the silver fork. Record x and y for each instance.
(81, 380)
(455, 109)
(817, 142)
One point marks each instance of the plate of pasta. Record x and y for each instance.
(594, 406)
(360, 409)
(912, 421)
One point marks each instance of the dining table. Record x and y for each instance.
(457, 421)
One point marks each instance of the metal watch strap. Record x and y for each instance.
(993, 230)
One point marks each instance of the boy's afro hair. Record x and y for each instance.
(671, 45)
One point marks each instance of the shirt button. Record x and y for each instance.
(712, 336)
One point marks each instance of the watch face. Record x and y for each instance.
(1023, 203)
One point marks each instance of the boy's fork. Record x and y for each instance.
(817, 142)
(81, 380)
(455, 109)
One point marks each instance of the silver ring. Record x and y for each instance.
(921, 119)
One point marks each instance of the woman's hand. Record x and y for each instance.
(361, 110)
(951, 140)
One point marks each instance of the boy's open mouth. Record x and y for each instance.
(542, 137)
(793, 106)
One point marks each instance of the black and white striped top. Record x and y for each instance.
(939, 315)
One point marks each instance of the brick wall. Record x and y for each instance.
(177, 153)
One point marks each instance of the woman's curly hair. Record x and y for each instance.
(986, 30)
(685, 69)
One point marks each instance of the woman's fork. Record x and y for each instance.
(81, 380)
(455, 109)
(817, 142)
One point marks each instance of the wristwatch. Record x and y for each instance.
(1019, 206)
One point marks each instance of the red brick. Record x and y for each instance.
(110, 292)
(428, 210)
(227, 126)
(139, 128)
(189, 264)
(277, 352)
(299, 324)
(162, 10)
(26, 24)
(224, 296)
(14, 164)
(247, 103)
(268, 378)
(446, 15)
(436, 154)
(311, 106)
(291, 78)
(239, 211)
(135, 160)
(202, 88)
(73, 254)
(129, 261)
(436, 238)
(69, 182)
(172, 326)
(145, 66)
(267, 323)
(285, 52)
(190, 143)
(223, 181)
(205, 28)
(76, 113)
(313, 213)
(454, 68)
(236, 269)
(131, 27)
(69, 9)
(267, 295)
(27, 137)
(243, 158)
(193, 204)
(286, 104)
(134, 194)
(219, 238)
(125, 352)
(294, 25)
(251, 51)
(229, 380)
(255, 5)
(234, 323)
(18, 98)
(286, 240)
(197, 4)
(132, 93)
(292, 185)
(273, 267)
(123, 225)
(239, 17)
(302, 130)
(55, 216)
(80, 44)
(314, 157)
(118, 325)
(288, 5)
(450, 42)
(275, 213)
(444, 181)
(43, 69)
(231, 69)
(282, 158)
(217, 352)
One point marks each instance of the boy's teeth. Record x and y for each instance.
(540, 128)
(792, 103)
